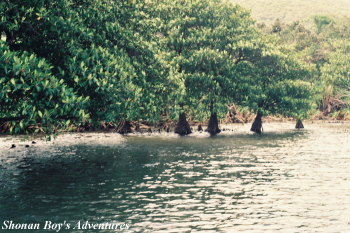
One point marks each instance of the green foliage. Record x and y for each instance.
(104, 50)
(109, 61)
(335, 75)
(279, 84)
(203, 41)
(327, 48)
(97, 73)
(31, 93)
(321, 21)
(222, 58)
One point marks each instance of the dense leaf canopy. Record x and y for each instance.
(88, 62)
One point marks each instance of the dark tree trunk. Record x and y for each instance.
(213, 125)
(182, 127)
(257, 124)
(124, 127)
(299, 124)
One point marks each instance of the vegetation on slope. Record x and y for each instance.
(267, 11)
(326, 47)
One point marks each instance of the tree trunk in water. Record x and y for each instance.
(124, 127)
(213, 125)
(182, 127)
(257, 124)
(299, 124)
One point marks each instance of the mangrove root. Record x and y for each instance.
(257, 124)
(124, 127)
(299, 124)
(183, 128)
(213, 125)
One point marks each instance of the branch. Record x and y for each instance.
(240, 57)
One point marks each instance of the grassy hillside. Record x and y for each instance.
(268, 11)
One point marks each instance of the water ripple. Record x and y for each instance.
(283, 181)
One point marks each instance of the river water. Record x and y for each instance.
(285, 180)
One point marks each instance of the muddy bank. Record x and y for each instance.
(195, 126)
(25, 143)
(170, 126)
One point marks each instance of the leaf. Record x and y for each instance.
(13, 81)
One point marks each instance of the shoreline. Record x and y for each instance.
(152, 129)
(25, 142)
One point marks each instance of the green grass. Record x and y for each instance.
(288, 11)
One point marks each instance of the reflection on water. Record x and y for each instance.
(285, 180)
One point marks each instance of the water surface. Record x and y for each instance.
(283, 181)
